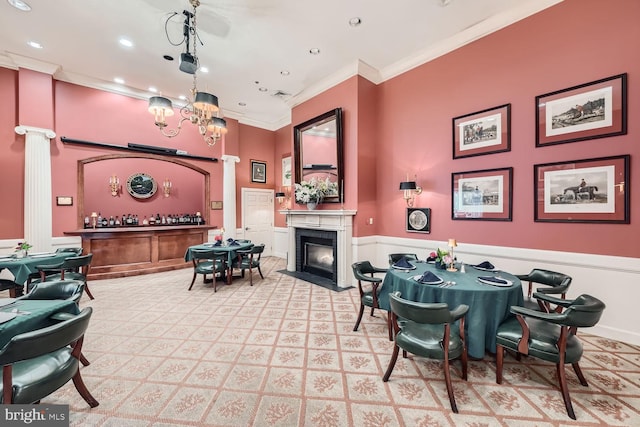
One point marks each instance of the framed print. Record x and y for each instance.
(484, 132)
(258, 171)
(286, 171)
(592, 110)
(591, 190)
(418, 220)
(216, 205)
(64, 201)
(482, 195)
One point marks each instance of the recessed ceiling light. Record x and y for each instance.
(153, 89)
(242, 104)
(168, 57)
(262, 89)
(285, 72)
(35, 45)
(354, 22)
(182, 97)
(314, 51)
(20, 5)
(119, 80)
(204, 69)
(126, 42)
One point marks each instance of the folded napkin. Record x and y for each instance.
(234, 243)
(493, 279)
(218, 243)
(486, 265)
(429, 277)
(403, 263)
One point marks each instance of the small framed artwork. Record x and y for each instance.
(485, 132)
(286, 171)
(592, 110)
(216, 205)
(64, 201)
(419, 220)
(258, 171)
(590, 190)
(482, 195)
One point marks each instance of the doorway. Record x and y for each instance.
(257, 217)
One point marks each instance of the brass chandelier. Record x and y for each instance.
(202, 110)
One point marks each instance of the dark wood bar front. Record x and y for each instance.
(130, 251)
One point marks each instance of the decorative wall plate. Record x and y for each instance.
(419, 220)
(141, 185)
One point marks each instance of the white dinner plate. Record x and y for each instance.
(500, 285)
(417, 279)
(404, 268)
(43, 255)
(6, 301)
(5, 317)
(485, 269)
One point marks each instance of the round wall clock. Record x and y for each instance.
(418, 220)
(141, 185)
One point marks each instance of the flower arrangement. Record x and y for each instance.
(441, 257)
(314, 190)
(23, 246)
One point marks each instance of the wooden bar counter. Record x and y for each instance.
(130, 251)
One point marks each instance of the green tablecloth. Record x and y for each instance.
(22, 267)
(488, 305)
(39, 312)
(230, 250)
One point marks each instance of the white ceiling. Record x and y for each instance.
(247, 43)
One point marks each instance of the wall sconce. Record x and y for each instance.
(452, 244)
(166, 187)
(283, 198)
(114, 185)
(411, 190)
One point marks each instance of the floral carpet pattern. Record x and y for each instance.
(283, 353)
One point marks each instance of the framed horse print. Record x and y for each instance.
(582, 191)
(482, 195)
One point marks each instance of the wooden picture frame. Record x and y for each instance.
(592, 110)
(258, 171)
(418, 220)
(216, 205)
(583, 191)
(484, 132)
(64, 201)
(482, 195)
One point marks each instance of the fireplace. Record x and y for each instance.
(316, 253)
(327, 246)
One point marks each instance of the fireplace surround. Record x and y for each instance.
(320, 227)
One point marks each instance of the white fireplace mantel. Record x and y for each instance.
(340, 221)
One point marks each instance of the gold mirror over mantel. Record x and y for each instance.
(318, 152)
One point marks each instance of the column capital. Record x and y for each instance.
(230, 159)
(23, 130)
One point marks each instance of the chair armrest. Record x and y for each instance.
(553, 300)
(380, 270)
(549, 317)
(459, 311)
(49, 266)
(561, 289)
(62, 316)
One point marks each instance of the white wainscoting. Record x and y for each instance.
(614, 280)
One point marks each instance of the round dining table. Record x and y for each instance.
(489, 305)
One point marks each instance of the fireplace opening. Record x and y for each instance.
(316, 253)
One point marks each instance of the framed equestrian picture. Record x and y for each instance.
(482, 195)
(592, 110)
(484, 132)
(583, 191)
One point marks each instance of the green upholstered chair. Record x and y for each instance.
(73, 250)
(393, 258)
(72, 268)
(429, 330)
(37, 363)
(365, 272)
(56, 289)
(555, 284)
(11, 286)
(550, 337)
(208, 261)
(248, 259)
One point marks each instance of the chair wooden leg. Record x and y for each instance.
(564, 388)
(250, 276)
(580, 375)
(194, 280)
(464, 359)
(499, 363)
(390, 326)
(372, 311)
(447, 379)
(260, 271)
(83, 390)
(87, 290)
(392, 363)
(84, 360)
(355, 328)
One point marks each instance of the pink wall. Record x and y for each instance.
(11, 159)
(283, 148)
(36, 99)
(571, 43)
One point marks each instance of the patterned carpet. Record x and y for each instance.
(283, 353)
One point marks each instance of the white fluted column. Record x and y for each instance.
(229, 195)
(38, 227)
